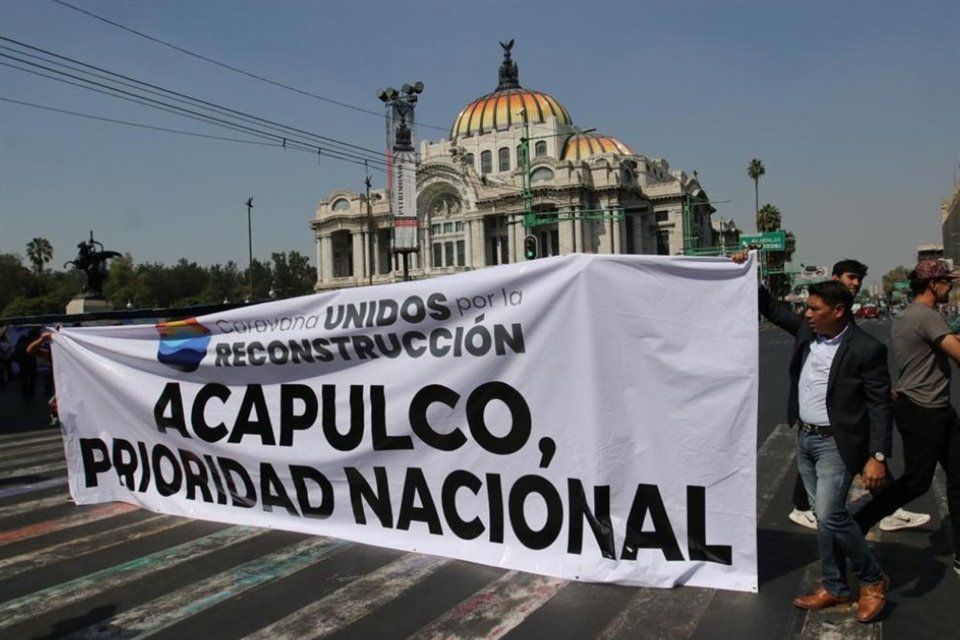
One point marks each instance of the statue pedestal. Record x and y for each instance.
(88, 305)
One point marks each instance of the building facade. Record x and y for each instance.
(950, 221)
(591, 193)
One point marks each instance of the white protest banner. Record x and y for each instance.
(586, 417)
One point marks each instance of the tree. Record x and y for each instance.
(892, 278)
(768, 218)
(756, 169)
(39, 252)
(121, 285)
(292, 274)
(17, 280)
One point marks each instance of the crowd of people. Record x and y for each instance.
(844, 406)
(25, 361)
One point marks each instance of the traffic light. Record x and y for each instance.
(530, 247)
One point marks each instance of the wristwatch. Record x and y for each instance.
(879, 457)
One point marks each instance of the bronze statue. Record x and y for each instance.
(509, 73)
(92, 260)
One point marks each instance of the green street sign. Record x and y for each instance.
(767, 241)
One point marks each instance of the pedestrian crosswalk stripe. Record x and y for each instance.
(19, 454)
(352, 602)
(30, 487)
(17, 465)
(31, 506)
(161, 613)
(494, 611)
(86, 516)
(21, 439)
(24, 472)
(61, 595)
(76, 547)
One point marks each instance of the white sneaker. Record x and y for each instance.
(804, 518)
(901, 519)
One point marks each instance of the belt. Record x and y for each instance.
(815, 429)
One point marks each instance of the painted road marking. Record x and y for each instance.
(10, 454)
(30, 437)
(30, 506)
(77, 547)
(494, 611)
(15, 465)
(354, 601)
(30, 487)
(86, 516)
(161, 613)
(61, 595)
(34, 470)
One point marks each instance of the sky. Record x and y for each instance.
(853, 107)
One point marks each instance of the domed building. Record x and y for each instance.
(592, 193)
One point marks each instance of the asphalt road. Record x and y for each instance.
(114, 571)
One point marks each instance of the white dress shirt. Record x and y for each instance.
(812, 388)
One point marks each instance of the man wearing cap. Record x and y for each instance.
(923, 346)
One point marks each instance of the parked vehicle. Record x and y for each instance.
(867, 311)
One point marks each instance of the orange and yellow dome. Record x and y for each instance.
(501, 110)
(581, 146)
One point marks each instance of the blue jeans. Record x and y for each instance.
(827, 481)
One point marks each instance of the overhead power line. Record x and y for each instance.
(229, 67)
(135, 124)
(76, 73)
(140, 85)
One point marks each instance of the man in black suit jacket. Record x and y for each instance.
(839, 399)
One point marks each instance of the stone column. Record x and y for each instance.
(565, 224)
(512, 242)
(326, 253)
(467, 243)
(357, 241)
(577, 230)
(617, 228)
(319, 261)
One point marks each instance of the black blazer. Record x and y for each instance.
(858, 390)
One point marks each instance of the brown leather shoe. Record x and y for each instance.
(872, 599)
(820, 599)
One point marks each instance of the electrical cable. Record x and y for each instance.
(160, 105)
(196, 101)
(232, 68)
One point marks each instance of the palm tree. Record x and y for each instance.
(39, 252)
(756, 169)
(768, 218)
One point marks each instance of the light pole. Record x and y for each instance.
(402, 167)
(371, 230)
(250, 245)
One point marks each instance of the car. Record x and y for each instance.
(867, 311)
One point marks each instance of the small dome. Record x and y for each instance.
(585, 145)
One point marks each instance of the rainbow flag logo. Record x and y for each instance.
(183, 344)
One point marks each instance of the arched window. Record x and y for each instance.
(541, 174)
(503, 159)
(540, 149)
(519, 156)
(486, 162)
(342, 204)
